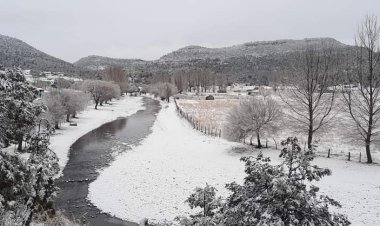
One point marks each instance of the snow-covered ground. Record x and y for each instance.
(154, 179)
(91, 119)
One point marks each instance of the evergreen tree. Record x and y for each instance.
(18, 112)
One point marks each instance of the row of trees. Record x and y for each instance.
(198, 80)
(311, 92)
(314, 93)
(63, 104)
(27, 186)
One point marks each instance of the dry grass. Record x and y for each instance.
(210, 113)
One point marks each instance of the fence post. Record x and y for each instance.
(349, 156)
(220, 132)
(360, 157)
(328, 153)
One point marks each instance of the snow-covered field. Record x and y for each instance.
(211, 114)
(91, 119)
(337, 137)
(154, 179)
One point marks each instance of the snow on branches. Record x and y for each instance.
(271, 194)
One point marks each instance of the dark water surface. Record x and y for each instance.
(94, 151)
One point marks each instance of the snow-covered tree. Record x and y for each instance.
(18, 113)
(56, 111)
(272, 194)
(164, 90)
(280, 194)
(253, 117)
(110, 90)
(26, 184)
(100, 91)
(73, 101)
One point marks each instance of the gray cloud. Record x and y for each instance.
(147, 29)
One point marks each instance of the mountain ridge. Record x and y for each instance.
(15, 52)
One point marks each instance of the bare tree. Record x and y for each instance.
(73, 102)
(116, 74)
(164, 90)
(311, 93)
(55, 109)
(254, 116)
(109, 90)
(180, 80)
(363, 104)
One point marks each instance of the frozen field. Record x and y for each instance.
(211, 114)
(337, 137)
(154, 179)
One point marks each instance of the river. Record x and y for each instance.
(94, 151)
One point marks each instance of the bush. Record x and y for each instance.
(210, 97)
(273, 194)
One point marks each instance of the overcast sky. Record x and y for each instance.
(148, 29)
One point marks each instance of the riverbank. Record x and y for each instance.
(88, 120)
(94, 151)
(155, 178)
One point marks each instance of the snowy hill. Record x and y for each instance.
(99, 62)
(248, 62)
(261, 48)
(14, 52)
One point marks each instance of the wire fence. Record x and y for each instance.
(197, 125)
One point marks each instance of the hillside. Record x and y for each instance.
(255, 49)
(98, 62)
(248, 62)
(14, 52)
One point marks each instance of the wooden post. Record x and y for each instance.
(349, 156)
(220, 132)
(360, 157)
(328, 153)
(266, 143)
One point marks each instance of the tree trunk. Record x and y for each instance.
(368, 152)
(19, 142)
(250, 140)
(68, 117)
(74, 115)
(56, 125)
(96, 104)
(309, 138)
(258, 141)
(311, 126)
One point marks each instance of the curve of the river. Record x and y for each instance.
(97, 150)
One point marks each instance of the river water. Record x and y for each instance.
(97, 150)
